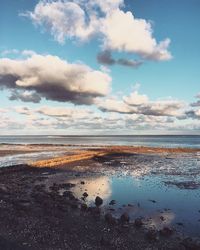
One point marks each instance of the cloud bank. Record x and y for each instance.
(136, 103)
(117, 29)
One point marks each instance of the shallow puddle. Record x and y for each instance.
(163, 190)
(149, 198)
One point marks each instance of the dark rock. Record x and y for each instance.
(82, 182)
(138, 222)
(85, 194)
(112, 202)
(124, 218)
(98, 201)
(66, 185)
(110, 219)
(162, 218)
(153, 201)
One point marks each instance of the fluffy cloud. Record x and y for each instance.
(112, 104)
(106, 58)
(82, 19)
(135, 99)
(123, 32)
(52, 78)
(140, 104)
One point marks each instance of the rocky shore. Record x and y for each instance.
(37, 215)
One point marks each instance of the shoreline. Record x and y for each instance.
(40, 210)
(36, 217)
(7, 149)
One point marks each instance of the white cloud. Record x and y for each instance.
(53, 78)
(124, 32)
(57, 119)
(140, 104)
(23, 110)
(63, 18)
(112, 104)
(66, 112)
(82, 19)
(135, 99)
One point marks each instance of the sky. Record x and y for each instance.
(99, 67)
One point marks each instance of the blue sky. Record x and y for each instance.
(161, 95)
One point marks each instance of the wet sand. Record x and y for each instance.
(50, 203)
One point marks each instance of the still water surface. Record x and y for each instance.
(142, 140)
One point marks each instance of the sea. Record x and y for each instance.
(171, 141)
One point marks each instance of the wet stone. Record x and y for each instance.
(162, 218)
(110, 219)
(85, 194)
(112, 202)
(98, 201)
(66, 185)
(124, 218)
(153, 201)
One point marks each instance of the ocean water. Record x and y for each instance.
(188, 141)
